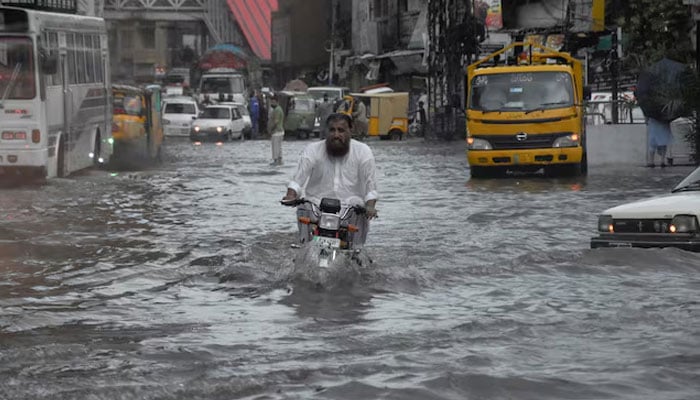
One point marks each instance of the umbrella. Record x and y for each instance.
(661, 88)
(296, 85)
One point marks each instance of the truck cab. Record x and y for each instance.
(527, 115)
(222, 83)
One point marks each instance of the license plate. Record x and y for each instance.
(333, 243)
(620, 244)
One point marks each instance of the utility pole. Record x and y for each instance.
(614, 65)
(331, 63)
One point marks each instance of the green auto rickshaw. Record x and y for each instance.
(299, 113)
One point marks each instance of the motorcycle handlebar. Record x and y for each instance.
(360, 210)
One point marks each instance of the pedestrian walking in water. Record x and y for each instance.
(276, 129)
(324, 110)
(660, 136)
(254, 114)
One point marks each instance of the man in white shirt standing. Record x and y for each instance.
(340, 168)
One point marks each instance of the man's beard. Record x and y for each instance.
(337, 147)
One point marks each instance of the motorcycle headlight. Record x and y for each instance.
(219, 129)
(566, 141)
(478, 144)
(196, 128)
(329, 221)
(605, 224)
(684, 224)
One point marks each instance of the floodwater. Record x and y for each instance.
(178, 283)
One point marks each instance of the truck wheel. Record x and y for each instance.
(486, 172)
(395, 134)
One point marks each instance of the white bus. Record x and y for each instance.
(55, 97)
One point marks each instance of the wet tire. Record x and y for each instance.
(61, 160)
(97, 151)
(395, 134)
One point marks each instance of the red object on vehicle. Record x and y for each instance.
(221, 59)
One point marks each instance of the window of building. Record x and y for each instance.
(148, 37)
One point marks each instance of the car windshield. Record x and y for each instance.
(318, 94)
(126, 105)
(691, 182)
(16, 69)
(242, 109)
(216, 113)
(180, 108)
(525, 91)
(304, 105)
(222, 84)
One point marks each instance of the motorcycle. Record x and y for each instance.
(328, 234)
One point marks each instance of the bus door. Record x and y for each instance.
(67, 100)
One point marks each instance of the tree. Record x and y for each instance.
(651, 30)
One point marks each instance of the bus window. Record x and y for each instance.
(127, 105)
(16, 68)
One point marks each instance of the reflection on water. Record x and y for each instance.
(179, 282)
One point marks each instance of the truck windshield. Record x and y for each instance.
(222, 85)
(16, 69)
(521, 91)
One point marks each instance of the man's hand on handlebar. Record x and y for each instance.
(290, 199)
(370, 210)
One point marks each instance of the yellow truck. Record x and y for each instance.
(526, 115)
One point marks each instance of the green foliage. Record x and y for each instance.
(651, 30)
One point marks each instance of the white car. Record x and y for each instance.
(178, 115)
(243, 109)
(664, 221)
(218, 123)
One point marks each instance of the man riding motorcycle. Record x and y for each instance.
(338, 167)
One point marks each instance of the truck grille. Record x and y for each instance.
(532, 141)
(641, 225)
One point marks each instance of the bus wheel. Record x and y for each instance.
(60, 160)
(395, 134)
(97, 151)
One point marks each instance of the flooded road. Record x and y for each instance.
(178, 283)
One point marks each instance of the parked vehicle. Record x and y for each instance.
(177, 80)
(335, 93)
(300, 113)
(55, 105)
(387, 113)
(664, 221)
(221, 122)
(178, 115)
(526, 115)
(136, 125)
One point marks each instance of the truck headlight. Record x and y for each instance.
(567, 141)
(219, 129)
(684, 224)
(478, 144)
(605, 224)
(166, 122)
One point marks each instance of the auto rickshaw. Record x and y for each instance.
(299, 113)
(387, 113)
(136, 125)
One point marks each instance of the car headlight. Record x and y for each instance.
(196, 128)
(567, 141)
(166, 122)
(478, 144)
(219, 129)
(605, 224)
(684, 224)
